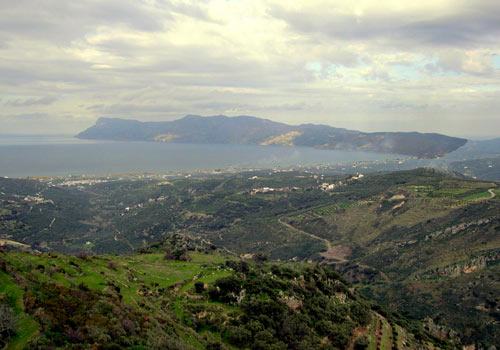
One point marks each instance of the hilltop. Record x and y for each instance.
(256, 131)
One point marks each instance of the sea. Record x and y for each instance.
(61, 155)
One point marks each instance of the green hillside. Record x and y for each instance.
(202, 301)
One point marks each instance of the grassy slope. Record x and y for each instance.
(141, 278)
(13, 294)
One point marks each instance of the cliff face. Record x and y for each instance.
(256, 131)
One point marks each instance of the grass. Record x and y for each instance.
(27, 327)
(479, 195)
(386, 336)
(330, 209)
(424, 188)
(129, 272)
(371, 344)
(443, 192)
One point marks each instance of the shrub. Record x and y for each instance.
(185, 257)
(214, 346)
(7, 322)
(199, 287)
(82, 255)
(74, 336)
(361, 343)
(128, 326)
(239, 335)
(260, 257)
(225, 289)
(360, 313)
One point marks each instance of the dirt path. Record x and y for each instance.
(377, 333)
(492, 193)
(290, 227)
(337, 252)
(13, 243)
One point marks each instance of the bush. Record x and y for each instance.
(361, 343)
(260, 257)
(7, 322)
(360, 313)
(82, 255)
(199, 287)
(225, 289)
(178, 254)
(74, 336)
(128, 326)
(239, 335)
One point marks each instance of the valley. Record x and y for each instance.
(419, 242)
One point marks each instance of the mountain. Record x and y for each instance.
(256, 131)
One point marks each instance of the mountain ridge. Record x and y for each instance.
(222, 129)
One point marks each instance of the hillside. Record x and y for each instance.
(197, 301)
(256, 131)
(421, 242)
(483, 168)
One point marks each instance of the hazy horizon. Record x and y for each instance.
(431, 66)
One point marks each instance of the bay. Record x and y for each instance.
(24, 156)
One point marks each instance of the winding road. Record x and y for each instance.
(492, 193)
(335, 252)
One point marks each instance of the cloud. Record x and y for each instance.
(62, 22)
(466, 24)
(29, 116)
(47, 100)
(364, 64)
(134, 109)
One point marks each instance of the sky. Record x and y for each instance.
(385, 65)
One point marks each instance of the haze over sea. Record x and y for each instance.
(23, 156)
